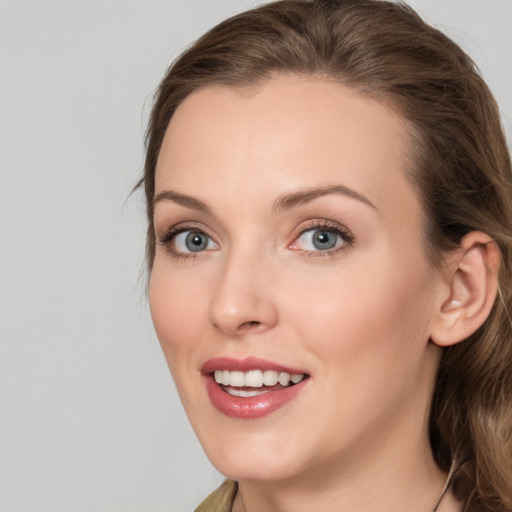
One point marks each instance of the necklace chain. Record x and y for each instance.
(453, 470)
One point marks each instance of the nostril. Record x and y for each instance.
(249, 325)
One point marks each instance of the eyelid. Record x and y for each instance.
(321, 224)
(327, 225)
(179, 227)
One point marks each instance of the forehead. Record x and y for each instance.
(288, 132)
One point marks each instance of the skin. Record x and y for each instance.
(358, 321)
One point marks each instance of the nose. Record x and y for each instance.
(243, 300)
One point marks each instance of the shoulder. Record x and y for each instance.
(220, 500)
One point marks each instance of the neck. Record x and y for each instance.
(403, 481)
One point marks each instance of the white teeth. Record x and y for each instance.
(270, 378)
(255, 378)
(296, 378)
(236, 379)
(284, 379)
(245, 394)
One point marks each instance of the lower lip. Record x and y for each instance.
(250, 407)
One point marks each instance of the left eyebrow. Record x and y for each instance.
(293, 199)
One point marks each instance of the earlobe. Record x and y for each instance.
(472, 285)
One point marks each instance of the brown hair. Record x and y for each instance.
(461, 169)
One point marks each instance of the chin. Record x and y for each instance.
(263, 469)
(256, 456)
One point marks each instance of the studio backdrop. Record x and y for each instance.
(89, 418)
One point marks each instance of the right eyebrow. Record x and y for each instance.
(182, 200)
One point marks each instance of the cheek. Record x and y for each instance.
(177, 305)
(367, 334)
(377, 315)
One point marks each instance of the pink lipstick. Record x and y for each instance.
(251, 388)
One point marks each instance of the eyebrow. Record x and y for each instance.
(294, 199)
(282, 203)
(182, 200)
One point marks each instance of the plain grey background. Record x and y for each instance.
(89, 419)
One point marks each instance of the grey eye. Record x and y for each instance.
(323, 240)
(193, 241)
(320, 240)
(196, 241)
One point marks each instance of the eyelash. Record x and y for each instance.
(344, 233)
(169, 236)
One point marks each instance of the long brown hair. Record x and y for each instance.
(461, 170)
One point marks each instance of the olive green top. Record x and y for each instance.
(220, 500)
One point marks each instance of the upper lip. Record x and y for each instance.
(245, 365)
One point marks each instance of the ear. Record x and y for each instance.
(468, 290)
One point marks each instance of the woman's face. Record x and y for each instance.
(289, 243)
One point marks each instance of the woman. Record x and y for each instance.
(329, 238)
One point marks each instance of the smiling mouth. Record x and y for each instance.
(255, 382)
(251, 388)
